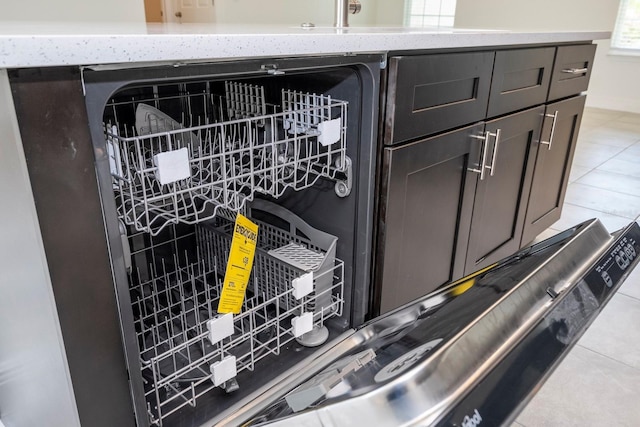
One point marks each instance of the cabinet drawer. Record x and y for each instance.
(520, 79)
(572, 70)
(433, 93)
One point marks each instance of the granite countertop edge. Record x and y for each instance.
(58, 47)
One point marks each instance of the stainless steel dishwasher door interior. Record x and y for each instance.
(483, 352)
(158, 314)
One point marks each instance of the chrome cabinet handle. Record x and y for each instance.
(492, 168)
(483, 155)
(575, 70)
(485, 142)
(553, 129)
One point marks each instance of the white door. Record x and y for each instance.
(153, 10)
(187, 11)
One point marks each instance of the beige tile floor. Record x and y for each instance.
(598, 383)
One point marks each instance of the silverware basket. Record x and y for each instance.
(289, 255)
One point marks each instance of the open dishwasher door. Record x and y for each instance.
(472, 353)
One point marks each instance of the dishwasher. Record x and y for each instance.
(240, 195)
(217, 269)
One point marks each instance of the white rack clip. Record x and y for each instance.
(220, 327)
(302, 324)
(303, 285)
(172, 166)
(223, 370)
(330, 131)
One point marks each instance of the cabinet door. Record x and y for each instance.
(502, 196)
(553, 164)
(435, 93)
(520, 79)
(425, 206)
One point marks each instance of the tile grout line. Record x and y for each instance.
(581, 176)
(627, 148)
(619, 292)
(601, 141)
(594, 167)
(628, 137)
(634, 298)
(606, 171)
(606, 189)
(599, 211)
(605, 356)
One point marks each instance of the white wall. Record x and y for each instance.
(390, 13)
(614, 81)
(295, 12)
(73, 10)
(537, 15)
(282, 12)
(263, 12)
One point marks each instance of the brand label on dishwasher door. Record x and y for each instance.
(236, 277)
(473, 420)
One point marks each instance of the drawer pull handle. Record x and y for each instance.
(575, 70)
(553, 129)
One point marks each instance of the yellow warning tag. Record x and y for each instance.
(236, 278)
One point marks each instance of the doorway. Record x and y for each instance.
(192, 11)
(153, 11)
(180, 11)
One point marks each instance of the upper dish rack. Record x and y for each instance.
(223, 150)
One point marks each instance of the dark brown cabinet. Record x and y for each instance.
(456, 202)
(502, 195)
(433, 189)
(553, 162)
(425, 212)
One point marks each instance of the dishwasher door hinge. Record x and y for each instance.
(271, 69)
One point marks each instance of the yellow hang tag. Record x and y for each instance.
(236, 277)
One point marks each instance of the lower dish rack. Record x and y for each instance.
(187, 349)
(217, 151)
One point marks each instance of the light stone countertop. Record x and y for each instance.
(32, 44)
